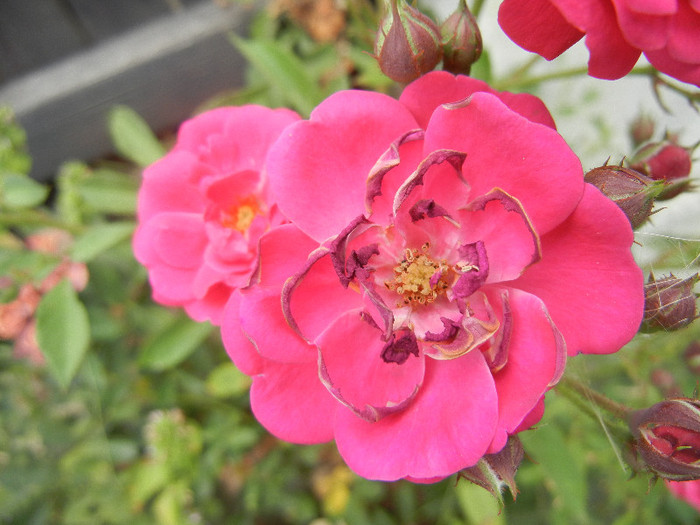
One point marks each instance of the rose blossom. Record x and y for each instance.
(688, 491)
(617, 32)
(443, 254)
(203, 207)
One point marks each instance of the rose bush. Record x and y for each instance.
(203, 207)
(617, 32)
(444, 255)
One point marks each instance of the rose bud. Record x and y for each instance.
(461, 40)
(632, 191)
(670, 303)
(692, 357)
(664, 160)
(642, 129)
(667, 438)
(408, 43)
(495, 472)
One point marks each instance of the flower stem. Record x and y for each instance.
(614, 408)
(518, 80)
(476, 9)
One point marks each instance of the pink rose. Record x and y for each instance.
(617, 32)
(203, 207)
(443, 254)
(688, 491)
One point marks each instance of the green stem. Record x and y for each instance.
(476, 9)
(614, 408)
(517, 80)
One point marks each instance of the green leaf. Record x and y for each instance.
(63, 331)
(107, 191)
(284, 71)
(20, 191)
(562, 464)
(99, 239)
(132, 137)
(227, 381)
(173, 344)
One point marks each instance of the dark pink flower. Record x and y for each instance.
(203, 207)
(617, 32)
(688, 491)
(443, 254)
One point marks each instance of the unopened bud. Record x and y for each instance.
(642, 129)
(495, 472)
(408, 43)
(461, 39)
(692, 357)
(667, 438)
(664, 160)
(632, 191)
(669, 303)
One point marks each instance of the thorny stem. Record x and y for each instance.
(517, 79)
(614, 408)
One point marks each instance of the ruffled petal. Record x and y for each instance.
(318, 168)
(292, 404)
(588, 279)
(539, 169)
(356, 369)
(424, 95)
(536, 358)
(447, 427)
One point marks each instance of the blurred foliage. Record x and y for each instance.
(134, 414)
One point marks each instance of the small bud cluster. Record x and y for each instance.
(410, 44)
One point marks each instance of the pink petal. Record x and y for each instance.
(167, 186)
(536, 357)
(485, 129)
(684, 35)
(538, 26)
(642, 29)
(283, 251)
(234, 138)
(588, 279)
(650, 7)
(424, 95)
(501, 223)
(237, 345)
(662, 61)
(211, 306)
(263, 322)
(449, 426)
(611, 56)
(178, 239)
(318, 168)
(355, 372)
(291, 403)
(313, 298)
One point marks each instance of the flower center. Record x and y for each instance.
(240, 216)
(418, 278)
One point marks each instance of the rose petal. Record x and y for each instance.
(354, 371)
(538, 26)
(447, 427)
(318, 168)
(580, 261)
(292, 404)
(487, 129)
